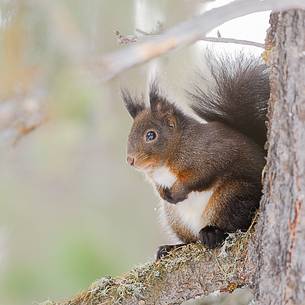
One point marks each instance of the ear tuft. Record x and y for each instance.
(154, 93)
(158, 103)
(133, 104)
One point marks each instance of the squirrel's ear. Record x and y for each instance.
(159, 104)
(171, 121)
(133, 105)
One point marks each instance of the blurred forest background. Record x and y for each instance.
(71, 209)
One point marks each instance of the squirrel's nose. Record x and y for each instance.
(130, 160)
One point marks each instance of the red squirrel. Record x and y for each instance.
(208, 174)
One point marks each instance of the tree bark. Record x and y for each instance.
(187, 273)
(280, 260)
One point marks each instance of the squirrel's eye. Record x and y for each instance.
(150, 135)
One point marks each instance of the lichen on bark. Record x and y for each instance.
(188, 272)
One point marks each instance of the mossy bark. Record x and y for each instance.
(188, 272)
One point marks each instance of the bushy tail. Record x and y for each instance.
(239, 97)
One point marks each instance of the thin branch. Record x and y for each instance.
(184, 34)
(235, 41)
(124, 40)
(190, 271)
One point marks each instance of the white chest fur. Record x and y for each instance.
(190, 211)
(163, 177)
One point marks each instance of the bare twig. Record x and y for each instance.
(122, 39)
(235, 41)
(184, 34)
(134, 38)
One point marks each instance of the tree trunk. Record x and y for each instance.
(280, 260)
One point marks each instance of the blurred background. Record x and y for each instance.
(71, 209)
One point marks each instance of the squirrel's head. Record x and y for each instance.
(155, 132)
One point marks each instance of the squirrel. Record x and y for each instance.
(207, 173)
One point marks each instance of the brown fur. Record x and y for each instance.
(233, 205)
(182, 175)
(201, 156)
(218, 154)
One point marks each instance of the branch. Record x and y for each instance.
(235, 41)
(124, 40)
(184, 34)
(188, 272)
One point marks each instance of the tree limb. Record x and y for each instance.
(183, 34)
(188, 272)
(235, 41)
(123, 40)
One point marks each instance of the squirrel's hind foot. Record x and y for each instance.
(211, 236)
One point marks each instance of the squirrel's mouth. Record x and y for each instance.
(141, 163)
(144, 166)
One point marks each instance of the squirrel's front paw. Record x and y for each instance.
(170, 196)
(212, 236)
